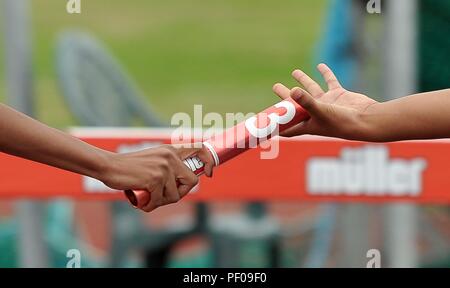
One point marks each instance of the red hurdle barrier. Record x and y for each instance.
(306, 169)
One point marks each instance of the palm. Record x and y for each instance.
(337, 96)
(327, 109)
(343, 98)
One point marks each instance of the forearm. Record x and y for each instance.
(27, 138)
(420, 116)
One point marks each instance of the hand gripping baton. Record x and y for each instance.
(236, 140)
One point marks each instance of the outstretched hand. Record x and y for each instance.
(334, 113)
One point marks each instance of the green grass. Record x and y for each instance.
(223, 54)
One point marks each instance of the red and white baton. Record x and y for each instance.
(236, 140)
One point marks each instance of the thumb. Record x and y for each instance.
(188, 149)
(197, 149)
(308, 102)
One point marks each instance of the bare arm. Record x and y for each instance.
(27, 138)
(156, 170)
(419, 116)
(349, 115)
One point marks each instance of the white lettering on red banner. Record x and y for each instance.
(365, 171)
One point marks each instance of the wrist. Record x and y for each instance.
(103, 164)
(369, 127)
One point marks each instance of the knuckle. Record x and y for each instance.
(183, 191)
(157, 203)
(328, 73)
(333, 82)
(174, 198)
(165, 203)
(307, 104)
(165, 164)
(311, 86)
(148, 208)
(167, 151)
(170, 148)
(158, 176)
(170, 154)
(194, 180)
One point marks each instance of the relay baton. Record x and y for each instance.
(236, 140)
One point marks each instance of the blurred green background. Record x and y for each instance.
(225, 55)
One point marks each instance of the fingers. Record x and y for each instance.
(163, 196)
(187, 150)
(209, 168)
(310, 105)
(303, 98)
(156, 199)
(183, 175)
(310, 85)
(307, 102)
(328, 75)
(297, 130)
(174, 189)
(186, 182)
(297, 92)
(282, 91)
(163, 185)
(208, 160)
(185, 189)
(199, 151)
(171, 193)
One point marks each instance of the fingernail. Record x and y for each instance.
(296, 97)
(296, 94)
(296, 73)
